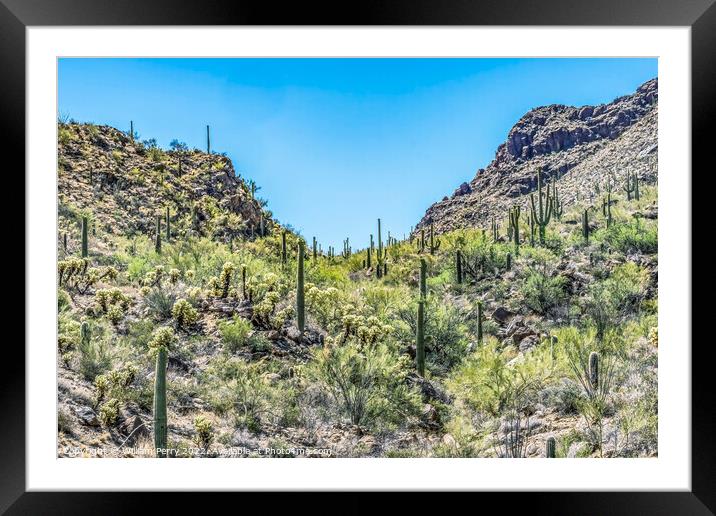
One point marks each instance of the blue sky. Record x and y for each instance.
(337, 143)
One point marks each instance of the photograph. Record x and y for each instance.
(357, 257)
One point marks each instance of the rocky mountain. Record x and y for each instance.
(125, 184)
(580, 147)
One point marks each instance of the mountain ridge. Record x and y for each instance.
(579, 146)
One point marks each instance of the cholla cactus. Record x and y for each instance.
(184, 314)
(174, 276)
(227, 272)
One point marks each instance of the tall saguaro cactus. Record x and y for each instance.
(515, 224)
(423, 278)
(585, 226)
(158, 235)
(458, 266)
(631, 187)
(208, 141)
(420, 338)
(300, 293)
(434, 241)
(131, 130)
(168, 223)
(315, 248)
(542, 212)
(284, 252)
(380, 254)
(85, 247)
(479, 322)
(160, 403)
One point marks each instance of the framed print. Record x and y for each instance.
(417, 248)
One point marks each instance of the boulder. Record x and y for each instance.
(87, 416)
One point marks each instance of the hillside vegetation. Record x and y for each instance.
(199, 323)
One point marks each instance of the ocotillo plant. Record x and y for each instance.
(420, 338)
(85, 246)
(160, 403)
(208, 141)
(550, 448)
(585, 225)
(479, 322)
(458, 266)
(158, 235)
(284, 253)
(423, 279)
(515, 224)
(542, 212)
(168, 223)
(300, 293)
(594, 370)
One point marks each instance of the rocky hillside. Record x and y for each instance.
(125, 183)
(579, 146)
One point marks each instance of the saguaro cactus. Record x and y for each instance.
(434, 241)
(158, 235)
(208, 141)
(85, 335)
(160, 403)
(243, 280)
(380, 255)
(64, 241)
(85, 247)
(515, 224)
(557, 206)
(550, 448)
(458, 266)
(585, 226)
(423, 280)
(594, 370)
(542, 212)
(508, 264)
(420, 339)
(315, 248)
(168, 223)
(284, 252)
(495, 230)
(631, 187)
(479, 322)
(300, 299)
(131, 130)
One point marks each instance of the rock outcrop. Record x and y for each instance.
(578, 146)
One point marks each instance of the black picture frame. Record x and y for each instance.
(699, 15)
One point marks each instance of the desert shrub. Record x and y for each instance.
(324, 304)
(445, 331)
(247, 392)
(184, 314)
(541, 291)
(486, 383)
(367, 383)
(160, 302)
(613, 298)
(235, 333)
(633, 236)
(64, 302)
(94, 358)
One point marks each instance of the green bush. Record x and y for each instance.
(541, 291)
(367, 383)
(184, 314)
(235, 333)
(633, 236)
